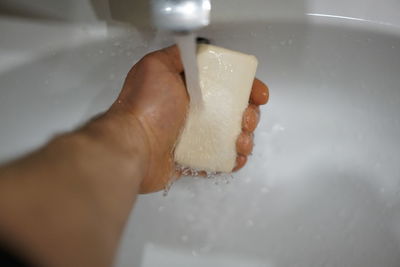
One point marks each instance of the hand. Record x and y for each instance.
(154, 95)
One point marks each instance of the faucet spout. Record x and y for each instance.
(181, 15)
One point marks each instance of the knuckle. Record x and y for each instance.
(150, 59)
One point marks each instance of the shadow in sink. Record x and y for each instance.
(133, 13)
(15, 10)
(48, 11)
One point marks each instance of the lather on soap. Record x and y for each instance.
(208, 140)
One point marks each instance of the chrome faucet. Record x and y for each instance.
(181, 15)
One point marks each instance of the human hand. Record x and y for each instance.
(154, 95)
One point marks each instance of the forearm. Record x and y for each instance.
(91, 178)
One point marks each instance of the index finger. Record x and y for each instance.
(174, 57)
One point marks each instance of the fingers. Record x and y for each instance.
(244, 147)
(259, 93)
(240, 162)
(244, 144)
(251, 118)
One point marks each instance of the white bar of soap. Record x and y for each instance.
(208, 140)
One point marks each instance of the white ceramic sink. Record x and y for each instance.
(323, 185)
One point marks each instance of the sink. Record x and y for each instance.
(323, 185)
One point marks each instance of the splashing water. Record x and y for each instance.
(170, 183)
(186, 171)
(167, 188)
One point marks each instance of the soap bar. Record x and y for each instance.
(208, 140)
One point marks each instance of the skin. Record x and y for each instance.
(66, 204)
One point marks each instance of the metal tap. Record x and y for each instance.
(181, 15)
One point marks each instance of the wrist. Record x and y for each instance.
(122, 136)
(116, 153)
(110, 153)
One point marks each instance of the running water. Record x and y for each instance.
(187, 46)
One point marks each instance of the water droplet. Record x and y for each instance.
(184, 238)
(265, 190)
(101, 51)
(290, 42)
(278, 128)
(117, 43)
(247, 180)
(194, 253)
(249, 223)
(112, 54)
(111, 77)
(190, 217)
(168, 188)
(211, 175)
(46, 82)
(161, 208)
(206, 248)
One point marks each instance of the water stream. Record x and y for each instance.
(187, 46)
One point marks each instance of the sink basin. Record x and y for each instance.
(323, 185)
